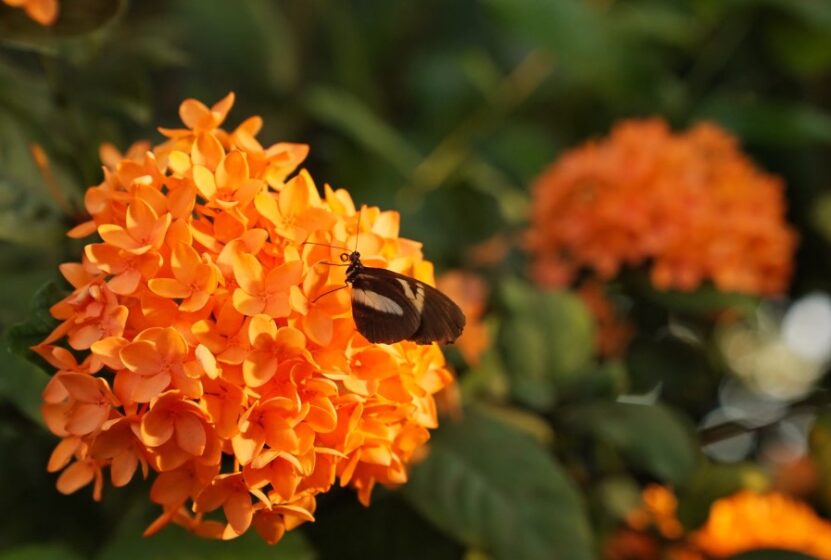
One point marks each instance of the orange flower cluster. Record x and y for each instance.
(690, 204)
(739, 523)
(45, 12)
(613, 332)
(471, 293)
(659, 509)
(747, 521)
(205, 355)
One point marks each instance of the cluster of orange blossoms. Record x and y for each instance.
(45, 12)
(690, 205)
(470, 292)
(738, 523)
(208, 358)
(748, 521)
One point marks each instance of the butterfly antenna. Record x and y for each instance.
(324, 245)
(358, 230)
(328, 292)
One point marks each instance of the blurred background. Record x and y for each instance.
(601, 415)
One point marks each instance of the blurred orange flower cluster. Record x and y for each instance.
(738, 523)
(197, 348)
(45, 12)
(747, 521)
(690, 204)
(470, 292)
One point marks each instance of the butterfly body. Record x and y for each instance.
(388, 307)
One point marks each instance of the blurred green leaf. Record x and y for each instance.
(24, 219)
(174, 543)
(495, 489)
(573, 31)
(779, 123)
(388, 528)
(662, 22)
(22, 384)
(348, 114)
(20, 338)
(706, 300)
(681, 370)
(712, 481)
(76, 18)
(39, 552)
(546, 341)
(617, 496)
(820, 441)
(486, 379)
(651, 437)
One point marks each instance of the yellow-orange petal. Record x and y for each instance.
(248, 273)
(156, 427)
(319, 327)
(169, 288)
(86, 418)
(258, 368)
(207, 151)
(45, 12)
(239, 511)
(125, 283)
(141, 357)
(247, 304)
(195, 114)
(75, 477)
(145, 388)
(123, 467)
(261, 331)
(190, 434)
(286, 275)
(62, 453)
(82, 387)
(171, 487)
(204, 181)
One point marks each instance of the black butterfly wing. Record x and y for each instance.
(388, 307)
(380, 308)
(441, 319)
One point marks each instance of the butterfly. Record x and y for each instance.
(388, 307)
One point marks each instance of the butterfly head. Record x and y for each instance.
(355, 265)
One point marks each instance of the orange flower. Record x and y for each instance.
(232, 385)
(659, 511)
(747, 521)
(612, 332)
(45, 12)
(689, 205)
(470, 292)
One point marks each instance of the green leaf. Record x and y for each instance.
(174, 543)
(712, 481)
(351, 116)
(21, 337)
(782, 123)
(495, 489)
(651, 437)
(706, 300)
(575, 33)
(389, 528)
(24, 219)
(39, 552)
(22, 384)
(682, 369)
(547, 341)
(76, 18)
(264, 53)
